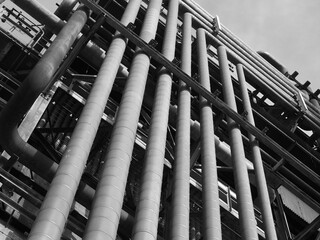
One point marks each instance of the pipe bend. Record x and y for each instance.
(270, 59)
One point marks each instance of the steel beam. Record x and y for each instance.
(261, 136)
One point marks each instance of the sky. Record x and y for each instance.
(287, 29)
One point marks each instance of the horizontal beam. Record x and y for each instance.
(157, 56)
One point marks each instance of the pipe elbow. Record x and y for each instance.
(270, 59)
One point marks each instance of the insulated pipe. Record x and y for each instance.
(56, 206)
(179, 225)
(107, 204)
(262, 187)
(32, 86)
(73, 162)
(54, 211)
(210, 189)
(246, 212)
(147, 211)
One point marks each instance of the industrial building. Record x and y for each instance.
(137, 119)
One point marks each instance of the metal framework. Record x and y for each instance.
(150, 120)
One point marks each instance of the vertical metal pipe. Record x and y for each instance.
(246, 213)
(181, 170)
(33, 85)
(147, 212)
(262, 187)
(105, 212)
(53, 214)
(210, 190)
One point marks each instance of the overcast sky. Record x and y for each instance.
(287, 29)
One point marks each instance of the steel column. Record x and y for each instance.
(147, 212)
(107, 204)
(262, 187)
(179, 225)
(246, 213)
(210, 190)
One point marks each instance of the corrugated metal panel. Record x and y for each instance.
(296, 205)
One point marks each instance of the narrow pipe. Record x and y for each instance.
(54, 211)
(246, 213)
(262, 187)
(147, 212)
(22, 189)
(265, 68)
(33, 197)
(201, 22)
(270, 59)
(105, 213)
(210, 190)
(14, 205)
(289, 103)
(199, 10)
(281, 83)
(35, 9)
(179, 226)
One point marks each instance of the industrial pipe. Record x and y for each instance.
(270, 59)
(107, 204)
(40, 13)
(54, 211)
(246, 211)
(33, 85)
(57, 201)
(262, 187)
(65, 8)
(179, 223)
(210, 189)
(147, 211)
(265, 69)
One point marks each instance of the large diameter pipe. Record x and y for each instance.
(210, 189)
(268, 222)
(53, 214)
(62, 190)
(147, 212)
(107, 204)
(33, 85)
(246, 211)
(179, 226)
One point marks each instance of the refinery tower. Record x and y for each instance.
(149, 119)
